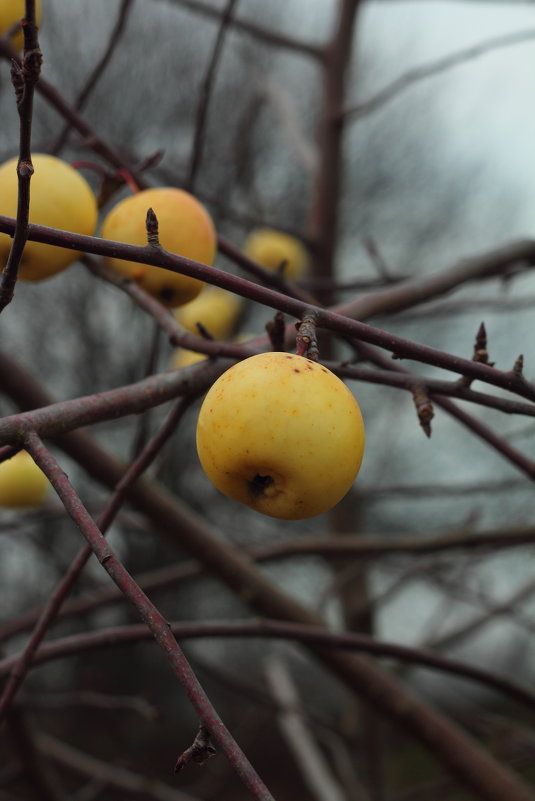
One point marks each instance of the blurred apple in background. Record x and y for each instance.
(22, 482)
(60, 197)
(270, 248)
(184, 227)
(11, 12)
(217, 309)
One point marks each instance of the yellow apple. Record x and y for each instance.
(217, 309)
(11, 12)
(185, 228)
(281, 434)
(271, 248)
(182, 357)
(22, 483)
(60, 197)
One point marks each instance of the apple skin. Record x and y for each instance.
(184, 227)
(22, 482)
(11, 12)
(60, 197)
(270, 248)
(281, 434)
(217, 309)
(182, 357)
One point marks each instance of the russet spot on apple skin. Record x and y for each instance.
(281, 434)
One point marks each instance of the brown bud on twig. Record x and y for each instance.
(200, 751)
(424, 408)
(17, 79)
(275, 332)
(31, 65)
(480, 354)
(518, 366)
(306, 342)
(151, 225)
(480, 348)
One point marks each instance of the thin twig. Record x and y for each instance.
(313, 768)
(149, 614)
(412, 76)
(273, 38)
(460, 755)
(334, 320)
(96, 73)
(24, 77)
(111, 775)
(206, 93)
(316, 635)
(51, 609)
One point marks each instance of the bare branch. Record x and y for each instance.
(392, 90)
(149, 614)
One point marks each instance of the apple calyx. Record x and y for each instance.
(259, 484)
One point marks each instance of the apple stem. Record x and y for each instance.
(129, 180)
(126, 175)
(306, 342)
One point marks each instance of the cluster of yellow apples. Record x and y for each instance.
(11, 13)
(272, 249)
(281, 434)
(22, 482)
(277, 432)
(60, 197)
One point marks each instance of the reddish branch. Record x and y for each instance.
(180, 526)
(331, 320)
(345, 547)
(51, 609)
(406, 380)
(24, 77)
(127, 781)
(148, 613)
(77, 644)
(526, 465)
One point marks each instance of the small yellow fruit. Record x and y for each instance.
(217, 309)
(281, 434)
(184, 227)
(182, 357)
(22, 482)
(271, 248)
(11, 12)
(60, 197)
